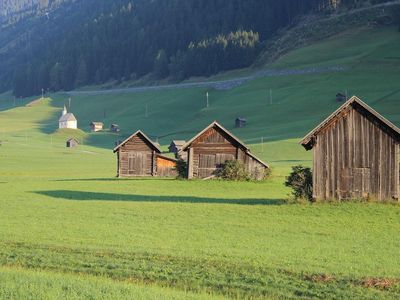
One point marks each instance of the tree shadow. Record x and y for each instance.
(92, 196)
(113, 179)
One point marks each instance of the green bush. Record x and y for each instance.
(233, 170)
(181, 168)
(300, 180)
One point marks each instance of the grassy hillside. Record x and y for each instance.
(68, 225)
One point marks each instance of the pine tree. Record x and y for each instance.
(82, 74)
(161, 64)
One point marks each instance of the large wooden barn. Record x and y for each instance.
(140, 156)
(215, 145)
(356, 154)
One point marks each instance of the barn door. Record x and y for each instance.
(136, 164)
(362, 183)
(207, 165)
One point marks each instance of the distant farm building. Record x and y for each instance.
(67, 120)
(341, 97)
(115, 128)
(356, 154)
(176, 146)
(215, 145)
(240, 122)
(72, 143)
(140, 156)
(96, 126)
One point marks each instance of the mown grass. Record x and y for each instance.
(65, 217)
(22, 284)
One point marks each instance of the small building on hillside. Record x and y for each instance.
(240, 122)
(140, 156)
(72, 143)
(67, 120)
(115, 128)
(96, 126)
(340, 97)
(215, 145)
(176, 146)
(356, 155)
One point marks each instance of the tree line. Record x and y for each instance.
(95, 41)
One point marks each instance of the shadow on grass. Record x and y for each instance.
(87, 179)
(92, 196)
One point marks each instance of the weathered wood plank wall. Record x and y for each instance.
(213, 148)
(136, 158)
(356, 157)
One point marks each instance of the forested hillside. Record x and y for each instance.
(93, 41)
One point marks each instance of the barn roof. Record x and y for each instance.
(242, 145)
(241, 119)
(67, 117)
(215, 124)
(145, 137)
(307, 141)
(167, 158)
(97, 123)
(72, 140)
(178, 143)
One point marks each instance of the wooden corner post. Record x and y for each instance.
(190, 163)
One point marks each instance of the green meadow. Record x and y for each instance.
(70, 229)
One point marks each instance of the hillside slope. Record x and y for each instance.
(369, 58)
(279, 109)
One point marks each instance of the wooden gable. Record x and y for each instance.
(138, 141)
(214, 136)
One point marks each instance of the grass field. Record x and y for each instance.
(70, 229)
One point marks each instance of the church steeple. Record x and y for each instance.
(64, 111)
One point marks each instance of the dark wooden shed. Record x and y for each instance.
(72, 143)
(176, 146)
(240, 122)
(115, 128)
(215, 145)
(356, 154)
(140, 156)
(340, 97)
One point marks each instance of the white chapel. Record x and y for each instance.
(67, 120)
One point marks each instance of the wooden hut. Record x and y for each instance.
(340, 97)
(240, 122)
(96, 126)
(115, 128)
(140, 156)
(176, 146)
(166, 166)
(72, 143)
(215, 145)
(356, 154)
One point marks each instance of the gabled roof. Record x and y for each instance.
(257, 159)
(307, 141)
(167, 158)
(72, 139)
(97, 123)
(215, 124)
(147, 139)
(67, 117)
(178, 143)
